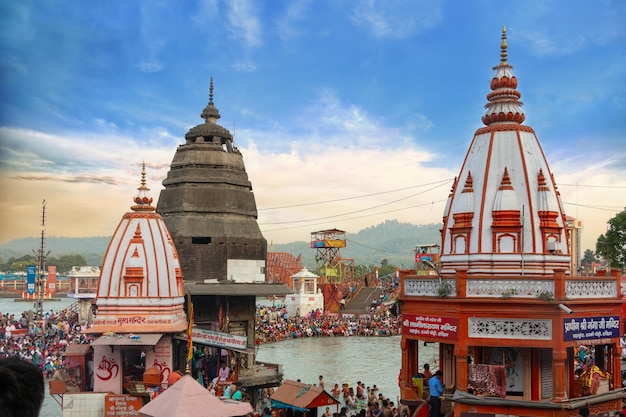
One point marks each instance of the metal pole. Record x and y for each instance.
(41, 281)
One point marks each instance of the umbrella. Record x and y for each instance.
(187, 398)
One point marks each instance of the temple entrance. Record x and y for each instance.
(591, 367)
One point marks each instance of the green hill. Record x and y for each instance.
(391, 240)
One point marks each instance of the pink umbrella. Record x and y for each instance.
(187, 398)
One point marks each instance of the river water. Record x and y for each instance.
(372, 360)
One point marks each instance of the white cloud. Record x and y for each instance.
(243, 23)
(244, 66)
(286, 24)
(396, 19)
(150, 66)
(543, 43)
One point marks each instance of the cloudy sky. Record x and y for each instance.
(348, 113)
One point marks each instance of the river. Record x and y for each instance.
(372, 360)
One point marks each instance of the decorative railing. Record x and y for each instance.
(575, 287)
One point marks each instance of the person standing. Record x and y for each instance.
(224, 373)
(427, 373)
(436, 391)
(321, 383)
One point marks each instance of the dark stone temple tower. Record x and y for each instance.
(209, 208)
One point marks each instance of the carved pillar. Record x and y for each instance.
(404, 377)
(558, 375)
(616, 357)
(559, 284)
(461, 283)
(461, 353)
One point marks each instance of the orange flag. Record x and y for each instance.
(189, 328)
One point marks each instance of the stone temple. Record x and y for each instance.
(209, 208)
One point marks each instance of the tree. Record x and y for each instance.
(612, 245)
(65, 263)
(589, 257)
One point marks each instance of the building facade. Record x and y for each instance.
(510, 315)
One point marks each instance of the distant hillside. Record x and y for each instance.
(391, 240)
(92, 248)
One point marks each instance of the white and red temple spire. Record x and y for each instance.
(507, 218)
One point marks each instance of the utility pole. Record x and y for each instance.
(42, 274)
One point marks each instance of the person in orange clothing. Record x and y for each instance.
(174, 377)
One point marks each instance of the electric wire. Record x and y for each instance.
(356, 211)
(355, 197)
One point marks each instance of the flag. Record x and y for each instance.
(189, 328)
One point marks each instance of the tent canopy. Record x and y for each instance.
(299, 396)
(187, 398)
(278, 404)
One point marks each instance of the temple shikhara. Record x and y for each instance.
(140, 301)
(519, 333)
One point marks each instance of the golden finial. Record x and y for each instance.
(503, 46)
(143, 175)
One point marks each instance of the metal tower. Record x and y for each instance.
(332, 266)
(41, 273)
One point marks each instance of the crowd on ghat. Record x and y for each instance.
(357, 401)
(317, 323)
(273, 324)
(42, 342)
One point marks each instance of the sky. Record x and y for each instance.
(347, 113)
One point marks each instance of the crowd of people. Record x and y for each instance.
(354, 401)
(317, 323)
(42, 342)
(273, 324)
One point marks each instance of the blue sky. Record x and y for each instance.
(348, 113)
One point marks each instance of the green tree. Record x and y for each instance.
(589, 257)
(65, 263)
(612, 245)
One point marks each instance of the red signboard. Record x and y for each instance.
(430, 326)
(52, 279)
(117, 405)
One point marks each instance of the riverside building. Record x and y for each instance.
(519, 332)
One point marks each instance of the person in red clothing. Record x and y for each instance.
(173, 377)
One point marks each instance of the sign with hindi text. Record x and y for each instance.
(218, 339)
(586, 328)
(430, 326)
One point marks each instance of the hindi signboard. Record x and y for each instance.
(586, 328)
(224, 340)
(430, 326)
(118, 405)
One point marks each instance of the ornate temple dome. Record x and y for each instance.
(141, 284)
(504, 215)
(209, 207)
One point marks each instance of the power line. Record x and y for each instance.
(355, 197)
(606, 208)
(357, 211)
(377, 249)
(351, 218)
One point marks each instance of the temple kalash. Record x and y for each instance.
(518, 333)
